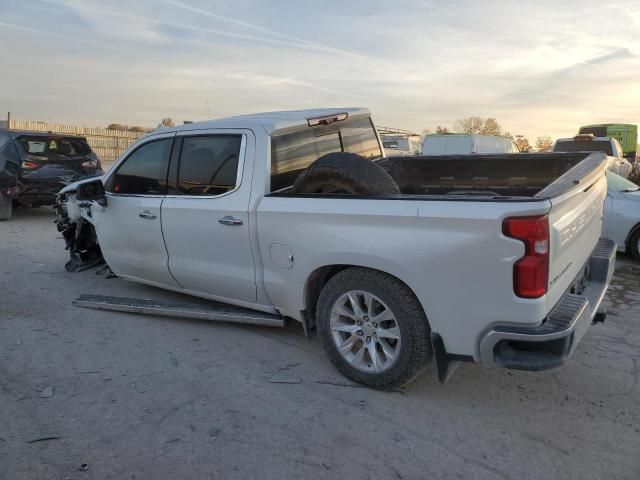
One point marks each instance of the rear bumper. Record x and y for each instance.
(44, 190)
(42, 193)
(550, 344)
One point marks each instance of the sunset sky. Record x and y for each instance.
(540, 68)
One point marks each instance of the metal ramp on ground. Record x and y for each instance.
(217, 312)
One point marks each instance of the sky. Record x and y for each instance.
(539, 67)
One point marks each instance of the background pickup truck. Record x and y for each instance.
(487, 258)
(617, 162)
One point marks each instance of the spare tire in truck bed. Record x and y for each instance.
(345, 173)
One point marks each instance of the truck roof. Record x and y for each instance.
(270, 121)
(594, 139)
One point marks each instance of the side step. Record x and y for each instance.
(218, 312)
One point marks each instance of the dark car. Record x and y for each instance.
(34, 166)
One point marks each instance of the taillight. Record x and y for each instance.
(531, 272)
(91, 164)
(29, 165)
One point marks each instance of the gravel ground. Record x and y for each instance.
(138, 397)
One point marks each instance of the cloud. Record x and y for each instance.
(617, 54)
(40, 31)
(257, 80)
(540, 67)
(295, 41)
(99, 12)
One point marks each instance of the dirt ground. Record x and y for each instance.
(156, 398)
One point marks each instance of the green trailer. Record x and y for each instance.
(625, 133)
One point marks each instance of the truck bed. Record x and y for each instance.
(505, 175)
(443, 236)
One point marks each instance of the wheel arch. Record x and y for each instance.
(632, 231)
(319, 277)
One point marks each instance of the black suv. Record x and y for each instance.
(34, 166)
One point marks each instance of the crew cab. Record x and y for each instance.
(486, 258)
(587, 142)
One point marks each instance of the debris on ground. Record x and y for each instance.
(44, 439)
(280, 377)
(47, 392)
(78, 264)
(105, 271)
(339, 384)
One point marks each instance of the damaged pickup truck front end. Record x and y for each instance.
(75, 222)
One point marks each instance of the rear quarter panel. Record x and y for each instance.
(452, 254)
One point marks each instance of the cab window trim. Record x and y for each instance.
(239, 172)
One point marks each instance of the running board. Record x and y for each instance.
(218, 312)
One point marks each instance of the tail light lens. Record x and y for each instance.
(29, 165)
(90, 165)
(531, 272)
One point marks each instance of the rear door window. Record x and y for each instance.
(291, 153)
(209, 165)
(144, 171)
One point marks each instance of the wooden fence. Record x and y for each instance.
(108, 144)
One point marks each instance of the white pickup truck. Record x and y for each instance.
(587, 142)
(494, 259)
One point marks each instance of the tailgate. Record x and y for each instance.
(575, 222)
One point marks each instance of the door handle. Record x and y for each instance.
(147, 215)
(229, 220)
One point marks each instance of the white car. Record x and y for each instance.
(395, 261)
(399, 145)
(463, 144)
(622, 214)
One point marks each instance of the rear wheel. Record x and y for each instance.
(373, 328)
(634, 244)
(6, 206)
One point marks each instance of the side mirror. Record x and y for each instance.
(92, 191)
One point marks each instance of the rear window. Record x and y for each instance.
(209, 164)
(293, 152)
(54, 146)
(586, 146)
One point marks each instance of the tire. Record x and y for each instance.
(411, 352)
(634, 247)
(6, 206)
(345, 173)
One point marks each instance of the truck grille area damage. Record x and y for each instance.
(80, 239)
